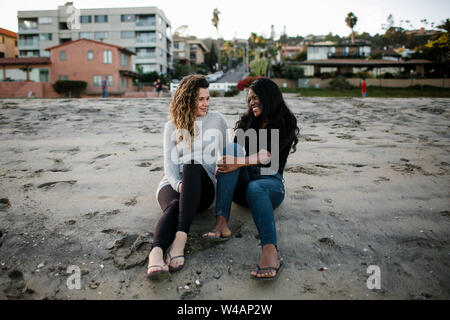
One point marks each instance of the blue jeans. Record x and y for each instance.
(247, 187)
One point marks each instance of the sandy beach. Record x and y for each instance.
(368, 186)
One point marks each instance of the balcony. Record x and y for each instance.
(28, 43)
(148, 55)
(28, 27)
(345, 55)
(145, 41)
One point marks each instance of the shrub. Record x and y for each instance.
(292, 72)
(231, 93)
(214, 93)
(70, 87)
(339, 83)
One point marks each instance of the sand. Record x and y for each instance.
(368, 186)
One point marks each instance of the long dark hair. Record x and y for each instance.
(275, 111)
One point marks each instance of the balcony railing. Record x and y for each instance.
(28, 42)
(343, 55)
(146, 55)
(27, 27)
(145, 23)
(140, 39)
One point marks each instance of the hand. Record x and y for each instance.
(228, 164)
(179, 187)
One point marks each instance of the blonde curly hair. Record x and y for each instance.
(183, 107)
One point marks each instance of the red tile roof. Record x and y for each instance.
(8, 33)
(92, 41)
(24, 61)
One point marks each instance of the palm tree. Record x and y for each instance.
(351, 21)
(215, 22)
(215, 19)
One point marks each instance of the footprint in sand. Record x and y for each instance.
(305, 170)
(14, 284)
(381, 180)
(49, 185)
(130, 250)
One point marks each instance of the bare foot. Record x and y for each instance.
(177, 250)
(220, 229)
(156, 261)
(269, 258)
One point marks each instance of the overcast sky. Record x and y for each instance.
(240, 17)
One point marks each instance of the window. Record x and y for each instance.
(148, 53)
(85, 19)
(127, 34)
(101, 35)
(45, 37)
(2, 39)
(109, 80)
(107, 57)
(86, 35)
(145, 20)
(127, 17)
(97, 81)
(44, 20)
(193, 47)
(193, 55)
(43, 75)
(62, 55)
(145, 37)
(62, 78)
(101, 19)
(124, 60)
(63, 26)
(160, 35)
(90, 55)
(159, 20)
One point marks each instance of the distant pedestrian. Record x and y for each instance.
(158, 86)
(104, 85)
(364, 88)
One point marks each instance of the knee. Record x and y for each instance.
(233, 149)
(254, 190)
(173, 206)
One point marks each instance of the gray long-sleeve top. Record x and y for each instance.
(208, 145)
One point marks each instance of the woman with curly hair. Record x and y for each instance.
(255, 179)
(191, 135)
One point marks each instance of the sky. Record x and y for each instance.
(238, 18)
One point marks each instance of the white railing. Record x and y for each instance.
(220, 86)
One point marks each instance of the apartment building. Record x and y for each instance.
(189, 50)
(8, 44)
(145, 31)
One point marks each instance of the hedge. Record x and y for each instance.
(70, 88)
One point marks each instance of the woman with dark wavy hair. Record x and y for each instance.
(189, 183)
(243, 178)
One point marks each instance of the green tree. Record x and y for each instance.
(351, 21)
(259, 66)
(438, 48)
(211, 58)
(395, 36)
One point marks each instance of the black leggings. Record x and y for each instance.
(197, 194)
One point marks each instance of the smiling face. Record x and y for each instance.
(254, 104)
(202, 102)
